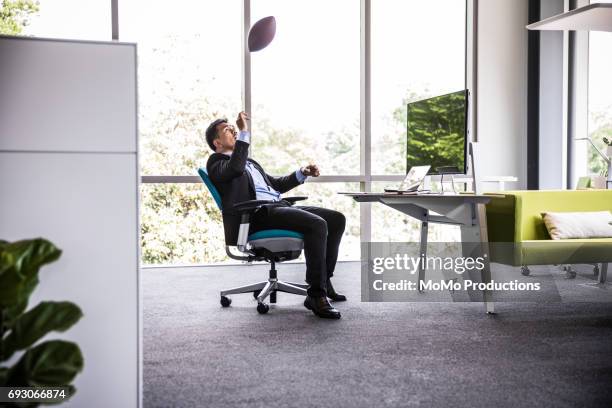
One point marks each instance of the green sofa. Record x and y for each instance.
(519, 237)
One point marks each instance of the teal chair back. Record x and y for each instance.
(211, 187)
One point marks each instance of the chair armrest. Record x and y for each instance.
(292, 200)
(250, 205)
(246, 208)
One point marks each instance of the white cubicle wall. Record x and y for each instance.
(69, 173)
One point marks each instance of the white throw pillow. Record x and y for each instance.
(567, 225)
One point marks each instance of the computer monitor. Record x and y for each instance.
(437, 133)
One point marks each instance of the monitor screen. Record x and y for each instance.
(437, 133)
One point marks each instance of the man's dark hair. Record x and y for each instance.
(211, 133)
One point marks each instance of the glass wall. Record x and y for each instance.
(73, 19)
(180, 224)
(189, 73)
(600, 98)
(418, 51)
(305, 87)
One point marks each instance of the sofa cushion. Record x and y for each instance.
(578, 225)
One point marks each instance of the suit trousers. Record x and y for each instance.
(322, 229)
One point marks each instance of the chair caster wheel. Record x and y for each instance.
(262, 308)
(525, 271)
(256, 293)
(225, 301)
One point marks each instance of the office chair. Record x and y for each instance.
(274, 245)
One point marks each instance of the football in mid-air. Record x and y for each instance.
(262, 33)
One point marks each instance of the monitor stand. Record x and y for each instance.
(447, 171)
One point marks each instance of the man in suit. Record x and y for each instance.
(239, 178)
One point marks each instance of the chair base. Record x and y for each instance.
(266, 289)
(263, 290)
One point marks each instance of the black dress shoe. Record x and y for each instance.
(321, 307)
(333, 295)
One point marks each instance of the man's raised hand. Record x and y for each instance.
(241, 122)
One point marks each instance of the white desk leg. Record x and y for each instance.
(481, 212)
(423, 252)
(478, 233)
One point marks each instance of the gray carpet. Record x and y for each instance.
(197, 354)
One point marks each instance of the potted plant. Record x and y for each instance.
(51, 363)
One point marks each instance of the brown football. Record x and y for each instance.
(262, 33)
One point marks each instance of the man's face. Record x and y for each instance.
(226, 137)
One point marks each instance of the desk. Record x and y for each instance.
(465, 210)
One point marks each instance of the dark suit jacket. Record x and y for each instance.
(235, 184)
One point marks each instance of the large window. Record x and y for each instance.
(305, 91)
(305, 100)
(189, 73)
(600, 97)
(305, 94)
(74, 19)
(418, 51)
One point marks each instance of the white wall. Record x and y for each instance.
(502, 89)
(68, 173)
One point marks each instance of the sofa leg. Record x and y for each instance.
(525, 270)
(603, 273)
(570, 272)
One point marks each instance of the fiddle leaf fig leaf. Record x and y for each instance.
(37, 322)
(54, 362)
(19, 265)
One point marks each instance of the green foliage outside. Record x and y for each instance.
(436, 133)
(52, 362)
(14, 15)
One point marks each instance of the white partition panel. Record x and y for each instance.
(69, 173)
(79, 203)
(67, 96)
